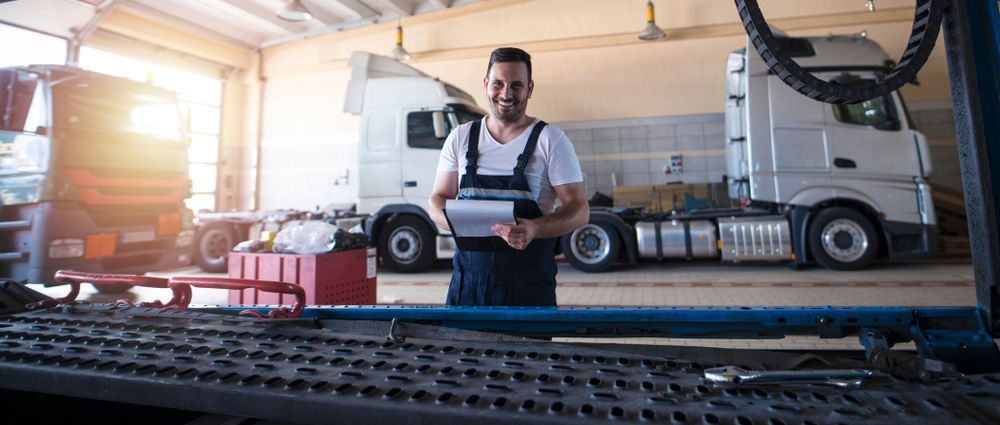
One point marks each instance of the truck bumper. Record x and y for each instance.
(52, 221)
(911, 241)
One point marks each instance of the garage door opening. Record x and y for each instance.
(201, 102)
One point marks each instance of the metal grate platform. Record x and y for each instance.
(291, 371)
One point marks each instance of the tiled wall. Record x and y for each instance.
(937, 122)
(636, 151)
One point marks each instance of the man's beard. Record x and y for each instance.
(511, 114)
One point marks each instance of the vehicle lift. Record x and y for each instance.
(175, 363)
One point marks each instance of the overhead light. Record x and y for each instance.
(870, 5)
(399, 53)
(651, 32)
(294, 11)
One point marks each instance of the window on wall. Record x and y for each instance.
(23, 47)
(201, 100)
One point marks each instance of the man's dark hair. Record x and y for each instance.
(510, 54)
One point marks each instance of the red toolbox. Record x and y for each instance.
(345, 277)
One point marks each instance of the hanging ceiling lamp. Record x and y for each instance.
(294, 11)
(651, 32)
(399, 53)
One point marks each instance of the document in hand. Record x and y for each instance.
(471, 218)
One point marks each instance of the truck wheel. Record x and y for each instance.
(212, 243)
(406, 244)
(843, 239)
(592, 248)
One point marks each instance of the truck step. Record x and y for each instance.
(15, 225)
(13, 256)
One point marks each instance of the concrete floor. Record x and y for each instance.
(945, 282)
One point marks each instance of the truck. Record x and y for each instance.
(812, 180)
(405, 116)
(93, 175)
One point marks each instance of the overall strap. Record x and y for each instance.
(472, 151)
(529, 148)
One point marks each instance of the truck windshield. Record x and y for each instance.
(879, 112)
(22, 102)
(112, 106)
(420, 125)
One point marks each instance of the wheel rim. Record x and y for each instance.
(405, 244)
(214, 246)
(590, 244)
(844, 240)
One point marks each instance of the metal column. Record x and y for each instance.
(971, 36)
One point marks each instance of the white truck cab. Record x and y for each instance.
(787, 149)
(405, 117)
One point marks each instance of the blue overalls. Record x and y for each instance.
(490, 272)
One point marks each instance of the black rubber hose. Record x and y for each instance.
(926, 26)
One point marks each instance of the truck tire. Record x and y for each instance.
(593, 248)
(406, 244)
(843, 239)
(212, 243)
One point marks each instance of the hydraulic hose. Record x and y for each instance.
(926, 26)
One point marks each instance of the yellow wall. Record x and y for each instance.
(589, 64)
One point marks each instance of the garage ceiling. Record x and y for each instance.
(245, 23)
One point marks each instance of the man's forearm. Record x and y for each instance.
(437, 204)
(563, 220)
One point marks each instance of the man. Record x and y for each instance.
(506, 156)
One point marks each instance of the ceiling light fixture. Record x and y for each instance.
(870, 5)
(651, 32)
(399, 53)
(294, 11)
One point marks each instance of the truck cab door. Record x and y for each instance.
(798, 148)
(426, 131)
(873, 152)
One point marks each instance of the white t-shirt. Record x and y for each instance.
(553, 163)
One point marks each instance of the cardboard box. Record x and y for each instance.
(658, 198)
(345, 277)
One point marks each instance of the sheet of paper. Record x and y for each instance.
(471, 218)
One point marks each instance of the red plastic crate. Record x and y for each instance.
(345, 277)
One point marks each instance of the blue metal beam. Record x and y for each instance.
(972, 37)
(965, 325)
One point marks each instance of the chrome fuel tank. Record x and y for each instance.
(674, 239)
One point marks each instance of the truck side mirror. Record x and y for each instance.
(440, 130)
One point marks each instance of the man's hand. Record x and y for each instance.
(519, 235)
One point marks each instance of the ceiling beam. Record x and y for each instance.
(354, 9)
(441, 4)
(155, 32)
(402, 7)
(82, 34)
(154, 14)
(263, 13)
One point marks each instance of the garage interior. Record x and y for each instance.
(265, 116)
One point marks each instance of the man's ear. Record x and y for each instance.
(531, 88)
(486, 81)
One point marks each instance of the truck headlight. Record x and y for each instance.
(66, 248)
(185, 238)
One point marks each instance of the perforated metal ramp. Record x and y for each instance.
(290, 372)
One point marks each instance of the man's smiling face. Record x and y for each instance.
(508, 89)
